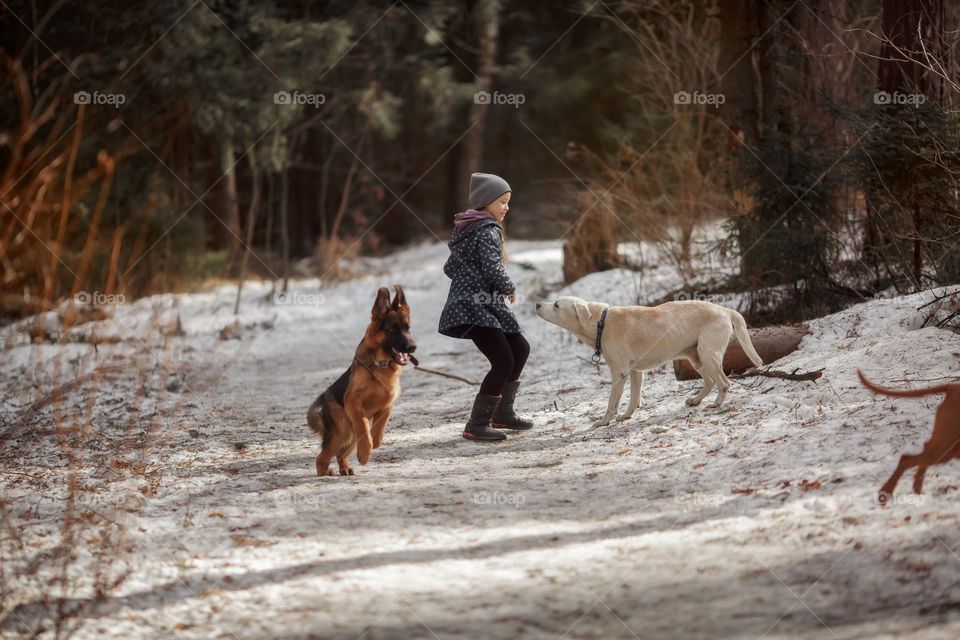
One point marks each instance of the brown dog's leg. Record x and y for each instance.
(907, 461)
(943, 443)
(323, 463)
(361, 427)
(364, 449)
(379, 424)
(344, 465)
(330, 449)
(918, 478)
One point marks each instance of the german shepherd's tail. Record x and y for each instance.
(318, 415)
(315, 415)
(318, 419)
(743, 336)
(908, 393)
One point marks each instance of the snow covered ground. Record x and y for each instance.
(758, 520)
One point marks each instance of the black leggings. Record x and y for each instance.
(507, 353)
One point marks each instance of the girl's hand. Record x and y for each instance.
(512, 297)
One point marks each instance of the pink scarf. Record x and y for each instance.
(466, 218)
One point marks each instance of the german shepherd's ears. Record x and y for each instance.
(381, 306)
(399, 300)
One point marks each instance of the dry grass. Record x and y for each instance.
(46, 254)
(660, 190)
(81, 461)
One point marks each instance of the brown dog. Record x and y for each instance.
(942, 446)
(353, 412)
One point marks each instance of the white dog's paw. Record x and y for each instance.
(601, 423)
(692, 402)
(624, 417)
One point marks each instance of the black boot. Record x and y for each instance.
(505, 417)
(478, 426)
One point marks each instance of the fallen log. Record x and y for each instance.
(772, 343)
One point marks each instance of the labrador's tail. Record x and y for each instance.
(743, 336)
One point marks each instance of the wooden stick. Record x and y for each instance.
(783, 375)
(446, 375)
(936, 298)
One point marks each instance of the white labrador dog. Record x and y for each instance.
(636, 339)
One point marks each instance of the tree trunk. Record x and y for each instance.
(748, 62)
(345, 196)
(902, 63)
(324, 183)
(268, 232)
(825, 71)
(908, 27)
(251, 219)
(738, 29)
(284, 231)
(485, 18)
(742, 107)
(229, 230)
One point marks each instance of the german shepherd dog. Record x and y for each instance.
(353, 412)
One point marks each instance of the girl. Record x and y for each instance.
(476, 307)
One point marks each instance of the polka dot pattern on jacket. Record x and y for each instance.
(479, 282)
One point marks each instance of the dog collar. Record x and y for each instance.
(381, 364)
(603, 321)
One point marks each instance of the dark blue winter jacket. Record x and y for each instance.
(479, 282)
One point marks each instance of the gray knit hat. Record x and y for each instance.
(485, 188)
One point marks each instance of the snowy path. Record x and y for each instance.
(755, 521)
